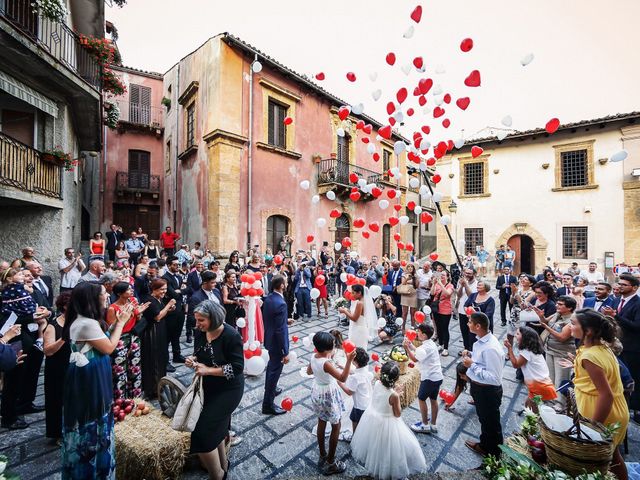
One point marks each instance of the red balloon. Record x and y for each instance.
(376, 369)
(354, 196)
(295, 339)
(257, 352)
(552, 125)
(376, 191)
(368, 128)
(252, 292)
(438, 112)
(416, 14)
(390, 108)
(343, 112)
(374, 227)
(360, 125)
(353, 177)
(476, 151)
(393, 221)
(287, 403)
(277, 259)
(411, 335)
(473, 80)
(243, 277)
(347, 295)
(418, 62)
(309, 238)
(419, 316)
(397, 237)
(320, 280)
(375, 357)
(358, 223)
(426, 129)
(466, 44)
(362, 281)
(411, 205)
(446, 122)
(422, 100)
(401, 96)
(392, 121)
(391, 58)
(426, 217)
(346, 242)
(365, 234)
(351, 76)
(287, 121)
(410, 112)
(403, 263)
(257, 275)
(397, 207)
(401, 245)
(425, 85)
(385, 132)
(442, 393)
(391, 194)
(348, 346)
(376, 158)
(350, 278)
(433, 256)
(409, 247)
(447, 98)
(436, 178)
(335, 213)
(469, 311)
(248, 354)
(250, 278)
(320, 76)
(243, 292)
(365, 140)
(431, 162)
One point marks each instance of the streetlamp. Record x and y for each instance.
(453, 207)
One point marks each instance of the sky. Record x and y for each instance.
(585, 62)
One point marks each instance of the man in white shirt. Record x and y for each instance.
(425, 274)
(467, 285)
(96, 269)
(593, 277)
(70, 267)
(484, 369)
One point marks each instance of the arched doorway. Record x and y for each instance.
(525, 254)
(277, 227)
(343, 228)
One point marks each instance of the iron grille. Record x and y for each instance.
(574, 242)
(474, 178)
(473, 238)
(575, 172)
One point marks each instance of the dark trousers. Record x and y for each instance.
(442, 326)
(464, 330)
(112, 254)
(303, 297)
(133, 258)
(274, 369)
(191, 323)
(504, 302)
(632, 361)
(396, 303)
(487, 401)
(20, 385)
(170, 251)
(175, 322)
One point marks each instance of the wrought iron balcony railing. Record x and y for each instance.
(54, 37)
(334, 171)
(143, 115)
(137, 182)
(22, 167)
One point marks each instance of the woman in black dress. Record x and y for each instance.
(57, 352)
(154, 338)
(234, 262)
(230, 294)
(220, 362)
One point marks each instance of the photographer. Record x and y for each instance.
(374, 273)
(387, 311)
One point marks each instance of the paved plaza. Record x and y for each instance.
(284, 446)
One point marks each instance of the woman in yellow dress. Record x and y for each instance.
(598, 387)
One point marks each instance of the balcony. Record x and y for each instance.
(334, 174)
(137, 183)
(140, 117)
(22, 169)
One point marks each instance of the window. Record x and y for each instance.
(473, 238)
(473, 178)
(386, 240)
(191, 136)
(413, 218)
(277, 227)
(167, 157)
(575, 170)
(139, 104)
(574, 242)
(343, 229)
(139, 169)
(386, 163)
(277, 128)
(343, 148)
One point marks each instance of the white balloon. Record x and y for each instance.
(395, 170)
(321, 222)
(343, 277)
(373, 76)
(371, 148)
(362, 182)
(409, 32)
(337, 246)
(256, 284)
(406, 69)
(265, 355)
(340, 132)
(353, 254)
(445, 220)
(421, 354)
(245, 346)
(241, 323)
(437, 197)
(254, 345)
(383, 204)
(437, 89)
(331, 195)
(507, 121)
(459, 143)
(399, 116)
(399, 321)
(424, 144)
(256, 67)
(305, 184)
(527, 59)
(378, 138)
(417, 210)
(382, 323)
(315, 293)
(376, 94)
(404, 220)
(426, 310)
(254, 366)
(399, 147)
(619, 156)
(502, 134)
(357, 109)
(293, 356)
(438, 99)
(440, 69)
(423, 190)
(315, 199)
(375, 291)
(423, 167)
(414, 182)
(306, 341)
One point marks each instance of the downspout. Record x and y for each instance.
(177, 141)
(104, 180)
(250, 155)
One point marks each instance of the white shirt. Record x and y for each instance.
(488, 361)
(211, 296)
(71, 278)
(536, 369)
(592, 278)
(359, 382)
(423, 284)
(463, 298)
(430, 367)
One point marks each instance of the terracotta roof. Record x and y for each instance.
(137, 71)
(304, 79)
(631, 117)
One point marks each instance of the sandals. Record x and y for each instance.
(334, 468)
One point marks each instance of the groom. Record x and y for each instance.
(276, 341)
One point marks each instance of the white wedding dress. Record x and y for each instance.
(359, 330)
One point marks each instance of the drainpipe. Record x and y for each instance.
(250, 155)
(177, 141)
(104, 180)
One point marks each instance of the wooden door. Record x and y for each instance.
(139, 169)
(343, 227)
(131, 217)
(515, 243)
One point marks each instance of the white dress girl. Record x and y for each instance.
(383, 443)
(359, 330)
(326, 396)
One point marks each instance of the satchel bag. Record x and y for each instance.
(406, 289)
(189, 408)
(435, 304)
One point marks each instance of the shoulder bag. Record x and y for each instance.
(406, 289)
(189, 408)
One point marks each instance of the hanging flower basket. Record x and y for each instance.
(59, 157)
(112, 114)
(54, 10)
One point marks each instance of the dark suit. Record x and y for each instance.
(46, 297)
(113, 238)
(276, 341)
(175, 319)
(394, 279)
(194, 300)
(562, 291)
(141, 287)
(629, 320)
(590, 302)
(503, 286)
(193, 282)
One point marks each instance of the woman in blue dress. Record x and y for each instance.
(88, 447)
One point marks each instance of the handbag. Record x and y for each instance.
(406, 289)
(189, 408)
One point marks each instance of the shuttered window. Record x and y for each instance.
(386, 240)
(139, 104)
(343, 148)
(191, 134)
(277, 128)
(139, 169)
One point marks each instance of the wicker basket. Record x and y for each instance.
(403, 366)
(577, 455)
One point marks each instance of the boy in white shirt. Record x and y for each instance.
(359, 385)
(427, 358)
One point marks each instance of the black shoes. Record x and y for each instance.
(18, 424)
(33, 408)
(278, 391)
(178, 359)
(170, 368)
(273, 410)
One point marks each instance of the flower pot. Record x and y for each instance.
(49, 158)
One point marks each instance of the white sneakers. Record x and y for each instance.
(445, 353)
(420, 427)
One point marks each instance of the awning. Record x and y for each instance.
(23, 92)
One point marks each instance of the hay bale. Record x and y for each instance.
(409, 384)
(147, 447)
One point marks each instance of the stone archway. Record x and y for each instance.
(540, 244)
(264, 216)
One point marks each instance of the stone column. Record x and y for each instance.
(631, 188)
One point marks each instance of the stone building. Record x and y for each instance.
(550, 197)
(234, 168)
(49, 98)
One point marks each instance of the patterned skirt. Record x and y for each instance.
(327, 402)
(125, 367)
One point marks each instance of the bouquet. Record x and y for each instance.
(4, 473)
(340, 302)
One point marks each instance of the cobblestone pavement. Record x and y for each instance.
(283, 446)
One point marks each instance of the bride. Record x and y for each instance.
(362, 317)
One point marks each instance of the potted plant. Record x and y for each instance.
(54, 10)
(112, 114)
(58, 156)
(166, 102)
